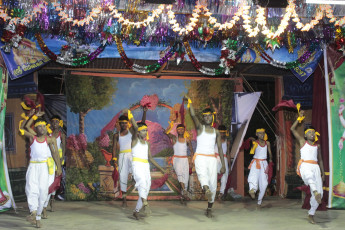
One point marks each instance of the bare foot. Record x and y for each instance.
(252, 194)
(311, 219)
(124, 203)
(51, 203)
(147, 210)
(32, 218)
(44, 213)
(136, 215)
(317, 197)
(208, 213)
(181, 200)
(38, 224)
(208, 195)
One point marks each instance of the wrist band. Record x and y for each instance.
(189, 102)
(130, 115)
(25, 117)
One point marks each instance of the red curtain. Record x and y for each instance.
(319, 110)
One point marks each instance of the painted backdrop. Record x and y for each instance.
(94, 105)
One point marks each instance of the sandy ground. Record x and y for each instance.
(276, 214)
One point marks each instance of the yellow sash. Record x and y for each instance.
(126, 151)
(62, 160)
(140, 160)
(38, 161)
(51, 168)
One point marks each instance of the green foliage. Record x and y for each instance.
(89, 93)
(168, 152)
(75, 176)
(205, 93)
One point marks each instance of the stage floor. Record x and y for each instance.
(276, 214)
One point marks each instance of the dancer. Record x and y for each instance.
(124, 139)
(51, 163)
(57, 125)
(225, 146)
(310, 166)
(204, 158)
(36, 187)
(180, 158)
(140, 164)
(258, 177)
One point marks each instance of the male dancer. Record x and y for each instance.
(57, 124)
(140, 164)
(124, 139)
(36, 187)
(51, 164)
(180, 158)
(204, 158)
(310, 166)
(225, 146)
(258, 177)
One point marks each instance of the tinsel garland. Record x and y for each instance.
(75, 61)
(209, 71)
(287, 65)
(143, 69)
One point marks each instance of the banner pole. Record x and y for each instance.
(330, 139)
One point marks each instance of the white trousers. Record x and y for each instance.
(142, 177)
(311, 176)
(224, 178)
(206, 169)
(36, 187)
(181, 167)
(258, 179)
(125, 167)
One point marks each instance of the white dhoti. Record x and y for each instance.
(125, 167)
(311, 176)
(258, 178)
(36, 187)
(224, 178)
(181, 167)
(51, 178)
(142, 177)
(206, 169)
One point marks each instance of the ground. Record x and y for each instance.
(275, 214)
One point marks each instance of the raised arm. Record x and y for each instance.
(196, 121)
(153, 161)
(294, 130)
(143, 119)
(167, 132)
(25, 133)
(31, 120)
(134, 128)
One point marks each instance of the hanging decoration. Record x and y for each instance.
(221, 70)
(149, 68)
(67, 56)
(82, 22)
(288, 65)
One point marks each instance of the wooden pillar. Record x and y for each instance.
(280, 159)
(238, 174)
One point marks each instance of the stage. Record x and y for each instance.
(276, 213)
